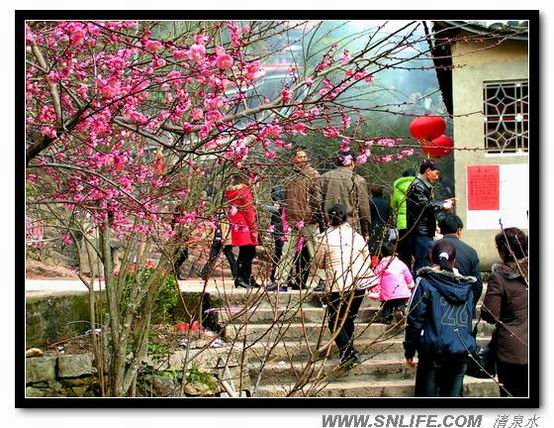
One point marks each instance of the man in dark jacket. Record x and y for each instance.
(380, 213)
(422, 210)
(467, 260)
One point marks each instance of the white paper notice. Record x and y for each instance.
(514, 201)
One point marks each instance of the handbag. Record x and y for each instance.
(482, 360)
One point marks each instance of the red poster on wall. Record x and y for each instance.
(483, 187)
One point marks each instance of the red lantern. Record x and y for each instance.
(438, 147)
(427, 127)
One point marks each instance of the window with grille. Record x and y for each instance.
(506, 106)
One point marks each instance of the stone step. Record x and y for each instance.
(289, 373)
(265, 314)
(398, 388)
(311, 331)
(238, 298)
(300, 350)
(297, 314)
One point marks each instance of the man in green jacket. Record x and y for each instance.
(398, 206)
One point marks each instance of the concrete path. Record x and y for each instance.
(44, 286)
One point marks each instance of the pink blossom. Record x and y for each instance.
(49, 131)
(330, 132)
(77, 37)
(201, 39)
(197, 114)
(213, 115)
(152, 46)
(299, 244)
(346, 120)
(286, 95)
(345, 58)
(299, 128)
(224, 62)
(189, 218)
(197, 53)
(187, 127)
(67, 239)
(347, 160)
(270, 228)
(180, 54)
(299, 225)
(345, 144)
(361, 159)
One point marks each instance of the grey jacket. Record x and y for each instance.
(342, 186)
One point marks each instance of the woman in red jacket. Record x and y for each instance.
(244, 233)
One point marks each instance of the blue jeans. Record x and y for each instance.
(421, 249)
(439, 378)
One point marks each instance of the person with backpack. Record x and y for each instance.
(439, 325)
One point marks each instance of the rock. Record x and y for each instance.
(34, 352)
(55, 386)
(74, 365)
(80, 391)
(80, 381)
(196, 389)
(34, 392)
(159, 386)
(40, 369)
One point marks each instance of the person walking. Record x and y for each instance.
(276, 211)
(220, 242)
(398, 208)
(303, 216)
(343, 186)
(244, 233)
(467, 259)
(439, 325)
(506, 306)
(422, 209)
(395, 284)
(344, 255)
(379, 212)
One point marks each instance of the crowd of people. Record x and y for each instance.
(407, 253)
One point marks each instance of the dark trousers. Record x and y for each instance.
(403, 247)
(343, 309)
(421, 250)
(244, 262)
(514, 378)
(180, 259)
(277, 255)
(301, 269)
(214, 255)
(390, 305)
(439, 378)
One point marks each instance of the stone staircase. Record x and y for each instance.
(288, 349)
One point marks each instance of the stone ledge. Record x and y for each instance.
(40, 369)
(75, 365)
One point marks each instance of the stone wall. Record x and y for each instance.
(210, 372)
(56, 316)
(63, 376)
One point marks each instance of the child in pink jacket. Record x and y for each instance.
(395, 284)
